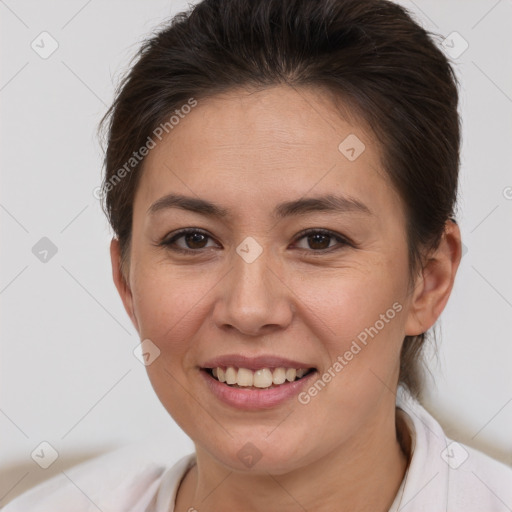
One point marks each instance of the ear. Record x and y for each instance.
(434, 285)
(122, 286)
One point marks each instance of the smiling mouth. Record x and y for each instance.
(264, 378)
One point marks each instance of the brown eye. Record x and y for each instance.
(320, 240)
(194, 241)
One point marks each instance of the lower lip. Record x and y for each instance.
(251, 399)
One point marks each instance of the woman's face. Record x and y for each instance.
(252, 285)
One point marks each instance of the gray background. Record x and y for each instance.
(68, 375)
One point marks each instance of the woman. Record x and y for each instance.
(281, 178)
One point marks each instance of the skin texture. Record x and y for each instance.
(247, 152)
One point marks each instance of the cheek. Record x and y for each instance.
(348, 303)
(359, 322)
(169, 305)
(358, 318)
(172, 303)
(170, 309)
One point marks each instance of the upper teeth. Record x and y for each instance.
(263, 378)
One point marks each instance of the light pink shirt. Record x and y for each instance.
(443, 476)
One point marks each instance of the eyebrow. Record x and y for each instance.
(325, 203)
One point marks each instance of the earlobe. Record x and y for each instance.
(121, 283)
(435, 283)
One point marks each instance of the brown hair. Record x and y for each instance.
(371, 53)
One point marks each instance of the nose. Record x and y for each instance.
(253, 298)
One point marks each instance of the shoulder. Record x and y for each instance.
(121, 480)
(448, 475)
(477, 481)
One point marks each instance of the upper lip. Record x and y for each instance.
(254, 363)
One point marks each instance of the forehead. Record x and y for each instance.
(280, 142)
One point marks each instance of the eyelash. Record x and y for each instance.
(343, 241)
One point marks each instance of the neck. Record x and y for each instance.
(364, 474)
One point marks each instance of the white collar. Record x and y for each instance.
(442, 474)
